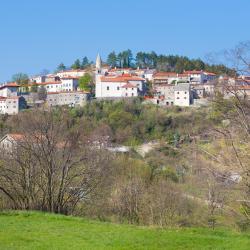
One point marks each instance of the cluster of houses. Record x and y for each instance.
(168, 88)
(59, 89)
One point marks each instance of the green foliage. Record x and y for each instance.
(132, 121)
(112, 59)
(60, 67)
(85, 63)
(170, 173)
(76, 65)
(161, 62)
(85, 82)
(125, 59)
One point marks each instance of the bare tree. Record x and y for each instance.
(49, 167)
(232, 103)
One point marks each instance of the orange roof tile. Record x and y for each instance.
(123, 78)
(194, 72)
(10, 85)
(16, 137)
(70, 77)
(49, 83)
(129, 85)
(165, 74)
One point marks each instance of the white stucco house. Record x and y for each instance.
(182, 95)
(12, 105)
(38, 79)
(9, 141)
(66, 84)
(71, 73)
(9, 89)
(125, 85)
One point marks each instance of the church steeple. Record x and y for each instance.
(98, 64)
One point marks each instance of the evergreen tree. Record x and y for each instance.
(76, 65)
(112, 59)
(60, 67)
(85, 62)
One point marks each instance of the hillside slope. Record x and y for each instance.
(32, 230)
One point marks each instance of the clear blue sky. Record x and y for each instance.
(37, 35)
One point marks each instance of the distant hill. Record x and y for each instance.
(34, 230)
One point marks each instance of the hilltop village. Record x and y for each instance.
(189, 88)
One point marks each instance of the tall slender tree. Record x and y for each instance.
(76, 65)
(112, 59)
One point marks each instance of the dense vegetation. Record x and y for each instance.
(45, 231)
(161, 62)
(184, 179)
(152, 60)
(132, 123)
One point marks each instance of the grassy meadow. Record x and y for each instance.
(35, 230)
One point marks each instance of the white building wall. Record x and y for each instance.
(9, 106)
(71, 73)
(129, 92)
(54, 87)
(8, 91)
(182, 98)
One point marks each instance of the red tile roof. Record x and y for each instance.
(10, 85)
(129, 86)
(123, 78)
(193, 72)
(70, 77)
(49, 83)
(165, 74)
(15, 136)
(209, 73)
(2, 98)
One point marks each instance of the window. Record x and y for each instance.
(178, 97)
(108, 88)
(178, 92)
(118, 88)
(185, 97)
(132, 94)
(126, 94)
(185, 92)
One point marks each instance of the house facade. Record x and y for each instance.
(12, 105)
(9, 89)
(72, 99)
(9, 141)
(119, 86)
(182, 95)
(67, 84)
(71, 73)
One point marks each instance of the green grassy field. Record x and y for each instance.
(23, 230)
